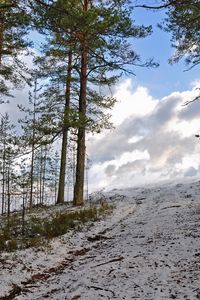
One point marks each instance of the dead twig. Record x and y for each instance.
(173, 206)
(101, 289)
(120, 258)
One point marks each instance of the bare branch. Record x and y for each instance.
(166, 5)
(158, 6)
(193, 100)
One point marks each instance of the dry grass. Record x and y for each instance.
(37, 230)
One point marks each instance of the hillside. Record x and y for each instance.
(149, 248)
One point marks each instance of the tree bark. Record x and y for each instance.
(1, 34)
(3, 177)
(33, 149)
(80, 164)
(63, 161)
(8, 191)
(41, 172)
(44, 174)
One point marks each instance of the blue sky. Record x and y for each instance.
(166, 78)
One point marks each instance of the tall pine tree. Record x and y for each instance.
(97, 33)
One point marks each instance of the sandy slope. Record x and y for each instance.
(149, 249)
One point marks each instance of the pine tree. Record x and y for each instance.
(57, 65)
(8, 152)
(96, 32)
(58, 69)
(38, 125)
(111, 25)
(31, 137)
(65, 128)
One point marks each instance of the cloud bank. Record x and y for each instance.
(153, 139)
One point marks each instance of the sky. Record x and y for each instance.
(154, 135)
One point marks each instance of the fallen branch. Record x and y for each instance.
(173, 206)
(110, 261)
(101, 289)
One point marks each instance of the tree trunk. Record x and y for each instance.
(31, 177)
(41, 172)
(80, 164)
(1, 34)
(3, 178)
(23, 211)
(55, 189)
(33, 148)
(37, 188)
(61, 185)
(8, 191)
(44, 174)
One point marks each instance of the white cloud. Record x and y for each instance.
(135, 139)
(195, 84)
(153, 140)
(102, 174)
(131, 103)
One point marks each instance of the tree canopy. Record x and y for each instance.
(14, 27)
(183, 21)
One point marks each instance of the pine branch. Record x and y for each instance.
(170, 3)
(175, 2)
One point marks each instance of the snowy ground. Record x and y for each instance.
(148, 249)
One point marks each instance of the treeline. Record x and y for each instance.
(87, 46)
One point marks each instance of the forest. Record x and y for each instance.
(86, 48)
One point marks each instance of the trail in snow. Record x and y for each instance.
(149, 249)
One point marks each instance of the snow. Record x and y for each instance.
(149, 248)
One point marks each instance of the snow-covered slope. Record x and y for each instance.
(148, 249)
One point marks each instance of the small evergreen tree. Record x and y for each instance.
(8, 153)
